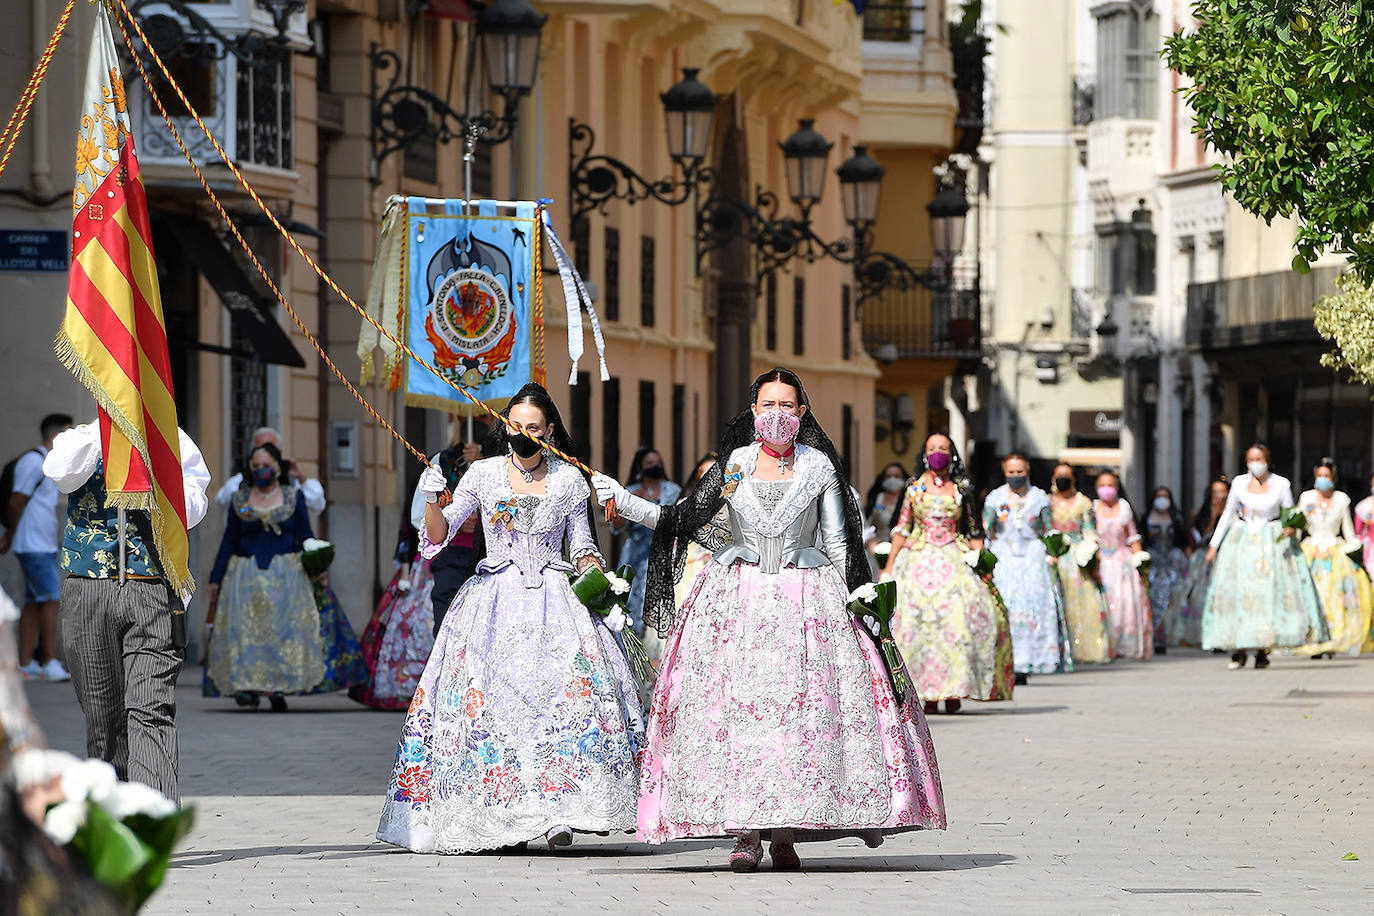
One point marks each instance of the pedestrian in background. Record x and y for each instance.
(1085, 604)
(31, 532)
(267, 637)
(648, 480)
(1186, 624)
(1166, 540)
(884, 500)
(1016, 516)
(1128, 604)
(311, 488)
(1342, 584)
(400, 635)
(118, 632)
(455, 564)
(1261, 597)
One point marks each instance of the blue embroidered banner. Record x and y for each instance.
(468, 295)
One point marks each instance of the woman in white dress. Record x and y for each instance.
(1341, 583)
(1261, 596)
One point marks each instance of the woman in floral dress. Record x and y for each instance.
(1128, 604)
(773, 716)
(526, 722)
(1016, 516)
(1341, 583)
(1261, 596)
(400, 636)
(1166, 540)
(1085, 605)
(953, 633)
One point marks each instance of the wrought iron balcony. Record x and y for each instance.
(919, 323)
(1259, 309)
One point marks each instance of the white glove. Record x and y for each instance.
(432, 483)
(403, 586)
(608, 488)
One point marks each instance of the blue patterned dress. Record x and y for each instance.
(527, 716)
(1015, 524)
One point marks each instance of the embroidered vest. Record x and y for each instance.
(90, 542)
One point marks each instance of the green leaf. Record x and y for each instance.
(113, 854)
(1350, 857)
(1291, 93)
(1300, 264)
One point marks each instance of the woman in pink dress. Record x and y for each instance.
(773, 716)
(1128, 604)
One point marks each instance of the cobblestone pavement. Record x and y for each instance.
(1170, 786)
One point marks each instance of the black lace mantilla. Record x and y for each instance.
(690, 520)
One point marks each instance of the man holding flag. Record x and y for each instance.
(136, 481)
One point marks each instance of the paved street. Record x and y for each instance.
(1169, 786)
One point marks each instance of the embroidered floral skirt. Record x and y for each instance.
(1128, 605)
(1168, 583)
(773, 709)
(1346, 598)
(1085, 613)
(397, 641)
(953, 634)
(1261, 595)
(526, 718)
(267, 630)
(343, 656)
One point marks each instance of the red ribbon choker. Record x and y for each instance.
(772, 454)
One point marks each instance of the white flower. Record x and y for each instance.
(403, 585)
(971, 558)
(88, 779)
(883, 547)
(313, 544)
(126, 799)
(36, 766)
(615, 620)
(1140, 558)
(1083, 553)
(619, 586)
(64, 820)
(864, 593)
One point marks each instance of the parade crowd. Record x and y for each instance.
(770, 711)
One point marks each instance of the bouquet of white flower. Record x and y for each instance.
(124, 832)
(1056, 545)
(882, 551)
(1141, 561)
(1085, 554)
(316, 555)
(607, 595)
(874, 606)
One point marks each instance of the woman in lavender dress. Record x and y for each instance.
(526, 722)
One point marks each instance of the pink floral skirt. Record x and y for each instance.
(773, 710)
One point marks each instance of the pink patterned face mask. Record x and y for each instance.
(777, 426)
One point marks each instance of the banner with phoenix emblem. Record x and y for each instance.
(468, 293)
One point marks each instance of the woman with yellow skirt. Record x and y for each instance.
(1085, 605)
(1342, 586)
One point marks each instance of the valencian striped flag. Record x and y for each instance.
(113, 337)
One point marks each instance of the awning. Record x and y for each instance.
(250, 313)
(1091, 457)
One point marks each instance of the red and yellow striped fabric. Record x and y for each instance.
(113, 337)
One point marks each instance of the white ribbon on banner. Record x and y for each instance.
(574, 294)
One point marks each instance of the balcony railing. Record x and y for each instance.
(922, 324)
(905, 22)
(1262, 308)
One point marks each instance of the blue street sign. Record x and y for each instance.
(34, 250)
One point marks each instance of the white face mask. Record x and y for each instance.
(1257, 468)
(1162, 504)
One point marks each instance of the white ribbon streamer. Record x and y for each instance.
(575, 294)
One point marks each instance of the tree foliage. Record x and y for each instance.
(1347, 320)
(1285, 90)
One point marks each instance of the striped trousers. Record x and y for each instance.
(124, 666)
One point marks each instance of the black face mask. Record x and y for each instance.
(653, 472)
(1063, 484)
(523, 446)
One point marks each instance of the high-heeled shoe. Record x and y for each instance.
(746, 855)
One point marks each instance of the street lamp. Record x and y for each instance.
(947, 210)
(509, 32)
(507, 36)
(689, 109)
(861, 182)
(804, 156)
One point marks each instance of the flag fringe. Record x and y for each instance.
(68, 356)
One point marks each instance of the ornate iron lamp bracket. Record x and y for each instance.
(596, 180)
(189, 35)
